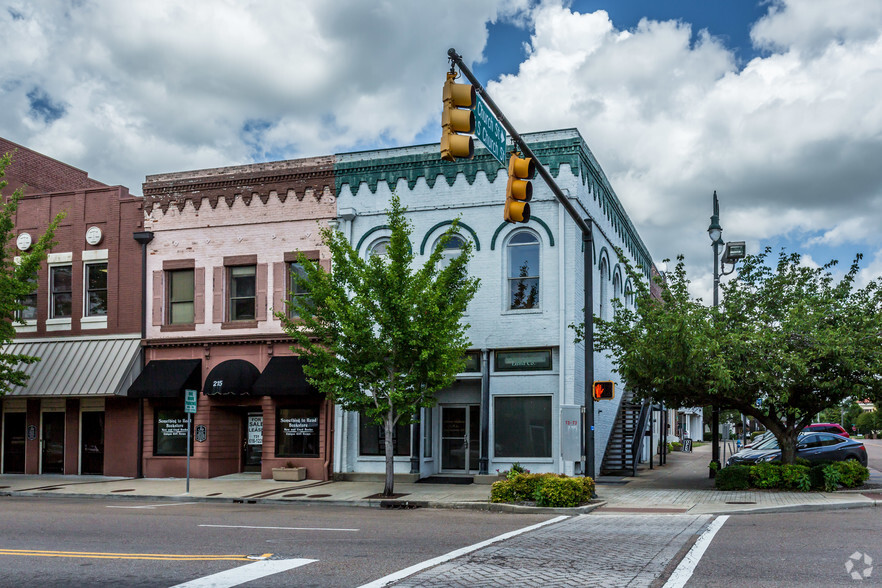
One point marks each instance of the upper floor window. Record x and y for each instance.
(294, 290)
(452, 250)
(60, 289)
(243, 292)
(380, 248)
(181, 297)
(604, 290)
(29, 312)
(523, 271)
(96, 289)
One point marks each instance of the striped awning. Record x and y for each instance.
(78, 366)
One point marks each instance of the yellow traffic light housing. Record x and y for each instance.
(459, 100)
(519, 190)
(604, 390)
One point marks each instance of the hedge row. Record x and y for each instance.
(546, 489)
(823, 476)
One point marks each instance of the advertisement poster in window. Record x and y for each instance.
(255, 429)
(297, 432)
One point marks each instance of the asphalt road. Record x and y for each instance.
(64, 542)
(874, 453)
(808, 549)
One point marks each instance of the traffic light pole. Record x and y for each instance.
(585, 224)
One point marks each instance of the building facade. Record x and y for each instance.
(224, 242)
(82, 320)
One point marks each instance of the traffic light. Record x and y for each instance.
(519, 190)
(604, 390)
(459, 99)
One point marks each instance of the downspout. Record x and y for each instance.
(484, 457)
(144, 238)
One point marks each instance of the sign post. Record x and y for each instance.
(189, 408)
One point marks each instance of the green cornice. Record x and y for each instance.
(450, 222)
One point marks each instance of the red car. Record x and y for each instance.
(826, 428)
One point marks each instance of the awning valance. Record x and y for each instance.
(231, 377)
(283, 376)
(99, 366)
(167, 378)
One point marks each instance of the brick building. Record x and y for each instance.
(83, 321)
(223, 244)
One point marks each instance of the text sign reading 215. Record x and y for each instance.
(490, 131)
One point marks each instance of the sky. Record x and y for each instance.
(775, 104)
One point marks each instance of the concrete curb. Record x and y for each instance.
(794, 508)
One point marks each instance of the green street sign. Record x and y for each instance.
(190, 401)
(490, 131)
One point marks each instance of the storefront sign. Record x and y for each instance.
(201, 433)
(171, 427)
(523, 360)
(32, 432)
(299, 427)
(255, 429)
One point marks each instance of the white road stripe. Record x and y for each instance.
(150, 506)
(386, 580)
(684, 571)
(246, 573)
(280, 528)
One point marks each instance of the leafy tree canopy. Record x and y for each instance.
(787, 335)
(380, 337)
(17, 280)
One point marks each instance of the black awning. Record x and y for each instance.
(234, 377)
(167, 378)
(283, 376)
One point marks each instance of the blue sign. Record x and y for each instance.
(490, 131)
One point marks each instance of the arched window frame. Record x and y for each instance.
(513, 283)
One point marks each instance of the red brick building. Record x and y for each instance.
(83, 321)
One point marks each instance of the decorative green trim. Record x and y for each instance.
(370, 232)
(617, 270)
(445, 223)
(532, 218)
(604, 253)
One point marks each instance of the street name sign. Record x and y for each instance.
(490, 131)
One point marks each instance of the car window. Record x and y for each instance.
(770, 443)
(810, 441)
(827, 440)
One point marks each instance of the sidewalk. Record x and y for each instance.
(680, 486)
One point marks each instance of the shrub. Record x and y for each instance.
(517, 487)
(824, 476)
(804, 462)
(502, 491)
(795, 477)
(589, 485)
(851, 473)
(675, 446)
(734, 477)
(561, 492)
(765, 475)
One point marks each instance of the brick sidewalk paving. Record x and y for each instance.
(567, 554)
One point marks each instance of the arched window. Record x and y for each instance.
(629, 295)
(604, 290)
(379, 248)
(452, 250)
(523, 271)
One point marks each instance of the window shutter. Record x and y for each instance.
(157, 298)
(279, 286)
(217, 312)
(199, 295)
(261, 291)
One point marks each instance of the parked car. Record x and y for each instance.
(815, 447)
(756, 441)
(826, 428)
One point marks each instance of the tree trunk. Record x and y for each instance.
(390, 456)
(787, 443)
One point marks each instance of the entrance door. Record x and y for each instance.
(460, 438)
(92, 449)
(14, 428)
(252, 446)
(53, 443)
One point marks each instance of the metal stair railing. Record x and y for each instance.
(639, 434)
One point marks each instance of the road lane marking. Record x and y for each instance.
(281, 528)
(247, 573)
(150, 506)
(386, 580)
(100, 555)
(684, 571)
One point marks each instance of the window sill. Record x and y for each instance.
(93, 322)
(239, 325)
(177, 328)
(522, 311)
(27, 327)
(58, 324)
(379, 458)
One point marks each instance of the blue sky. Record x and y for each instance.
(772, 103)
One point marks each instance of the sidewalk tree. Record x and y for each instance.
(379, 337)
(17, 280)
(789, 335)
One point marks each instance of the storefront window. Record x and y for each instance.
(297, 432)
(522, 426)
(372, 438)
(523, 360)
(170, 432)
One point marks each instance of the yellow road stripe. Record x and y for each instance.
(150, 556)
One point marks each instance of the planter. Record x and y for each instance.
(289, 474)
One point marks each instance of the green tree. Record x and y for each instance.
(867, 423)
(17, 280)
(380, 337)
(789, 335)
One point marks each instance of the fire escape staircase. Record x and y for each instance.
(626, 441)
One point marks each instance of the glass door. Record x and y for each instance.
(53, 443)
(14, 443)
(252, 446)
(92, 449)
(460, 438)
